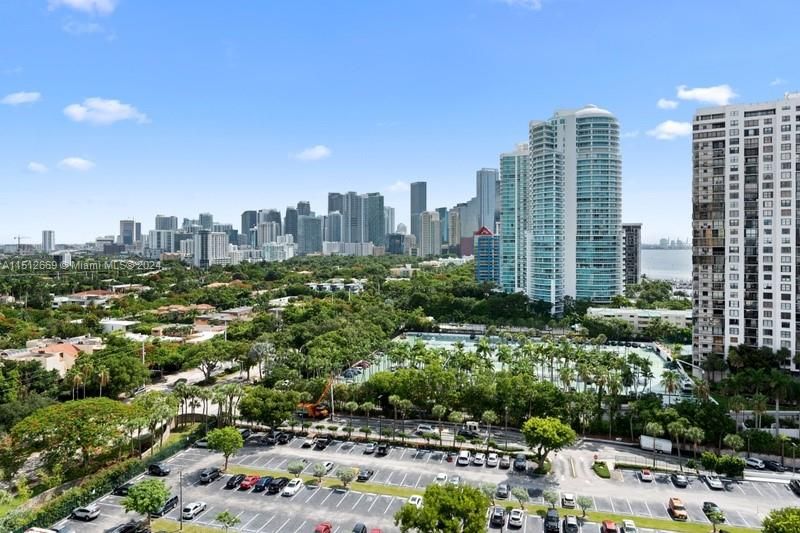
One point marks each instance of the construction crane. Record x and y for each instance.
(19, 238)
(320, 408)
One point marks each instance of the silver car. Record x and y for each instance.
(190, 510)
(89, 512)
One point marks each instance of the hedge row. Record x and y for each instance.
(89, 490)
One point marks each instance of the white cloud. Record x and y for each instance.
(81, 28)
(315, 153)
(777, 81)
(534, 5)
(103, 112)
(718, 94)
(664, 103)
(76, 163)
(36, 168)
(399, 186)
(94, 7)
(630, 134)
(670, 129)
(21, 98)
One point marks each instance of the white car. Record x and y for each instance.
(293, 487)
(646, 475)
(714, 482)
(479, 459)
(492, 459)
(328, 466)
(516, 518)
(90, 512)
(752, 462)
(441, 478)
(629, 527)
(415, 500)
(308, 443)
(193, 509)
(424, 428)
(369, 448)
(463, 458)
(568, 500)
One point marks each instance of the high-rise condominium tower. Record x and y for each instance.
(374, 217)
(303, 208)
(419, 203)
(744, 226)
(430, 242)
(166, 223)
(514, 218)
(388, 220)
(575, 248)
(48, 240)
(290, 223)
(485, 192)
(632, 246)
(249, 221)
(206, 220)
(335, 202)
(127, 232)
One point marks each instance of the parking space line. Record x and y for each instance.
(248, 522)
(389, 478)
(286, 522)
(403, 454)
(388, 505)
(648, 508)
(357, 501)
(404, 479)
(326, 498)
(418, 480)
(373, 503)
(300, 527)
(313, 493)
(756, 489)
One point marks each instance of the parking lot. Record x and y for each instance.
(410, 468)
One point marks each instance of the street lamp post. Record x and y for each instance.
(380, 428)
(794, 458)
(180, 497)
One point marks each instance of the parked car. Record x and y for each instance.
(284, 438)
(308, 442)
(328, 466)
(441, 478)
(122, 490)
(505, 462)
(520, 462)
(193, 509)
(753, 462)
(454, 480)
(775, 466)
(234, 481)
(711, 507)
(369, 448)
(568, 500)
(381, 450)
(424, 428)
(479, 459)
(516, 518)
(552, 522)
(608, 526)
(201, 443)
(646, 475)
(170, 504)
(244, 432)
(570, 525)
(498, 517)
(679, 480)
(628, 526)
(359, 528)
(293, 487)
(492, 460)
(323, 527)
(89, 512)
(158, 469)
(207, 475)
(714, 482)
(277, 485)
(503, 491)
(249, 482)
(468, 434)
(322, 442)
(364, 474)
(134, 526)
(262, 483)
(464, 458)
(677, 510)
(415, 500)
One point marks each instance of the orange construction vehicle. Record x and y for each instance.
(320, 408)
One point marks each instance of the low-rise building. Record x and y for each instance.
(641, 318)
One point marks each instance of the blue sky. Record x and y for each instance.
(127, 108)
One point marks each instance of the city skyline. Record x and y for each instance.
(173, 115)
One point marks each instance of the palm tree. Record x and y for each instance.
(695, 435)
(439, 411)
(781, 384)
(367, 408)
(103, 378)
(702, 389)
(456, 417)
(670, 380)
(88, 373)
(566, 375)
(394, 401)
(77, 381)
(351, 407)
(677, 429)
(655, 430)
(737, 404)
(759, 407)
(405, 406)
(489, 417)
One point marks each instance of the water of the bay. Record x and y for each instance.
(667, 264)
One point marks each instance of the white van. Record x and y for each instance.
(463, 458)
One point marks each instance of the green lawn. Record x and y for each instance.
(10, 506)
(162, 525)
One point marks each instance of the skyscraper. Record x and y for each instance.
(374, 217)
(303, 208)
(353, 222)
(206, 221)
(632, 245)
(514, 218)
(267, 232)
(271, 215)
(309, 238)
(249, 220)
(127, 232)
(290, 223)
(443, 223)
(419, 203)
(333, 227)
(744, 224)
(487, 256)
(137, 232)
(388, 217)
(576, 208)
(430, 242)
(164, 222)
(402, 229)
(210, 248)
(453, 230)
(48, 241)
(335, 202)
(485, 192)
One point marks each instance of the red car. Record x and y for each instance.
(248, 482)
(324, 527)
(375, 530)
